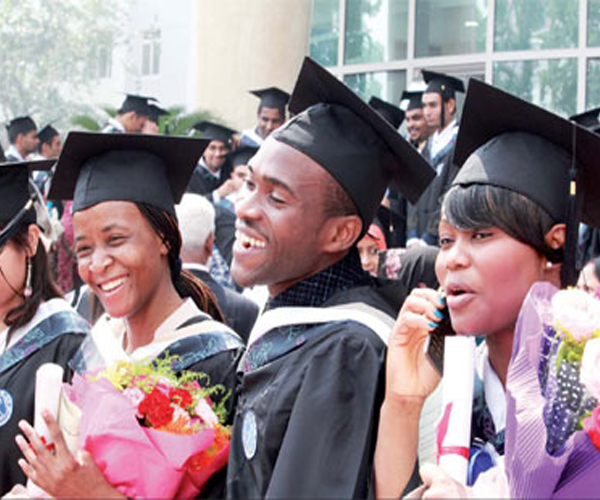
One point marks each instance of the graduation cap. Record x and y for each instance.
(414, 97)
(272, 97)
(20, 125)
(17, 201)
(393, 114)
(155, 112)
(241, 155)
(388, 221)
(588, 119)
(214, 131)
(519, 146)
(350, 140)
(137, 103)
(442, 84)
(47, 133)
(153, 169)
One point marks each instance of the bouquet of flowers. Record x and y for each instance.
(153, 433)
(576, 323)
(553, 389)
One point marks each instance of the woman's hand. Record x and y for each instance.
(58, 472)
(409, 374)
(438, 484)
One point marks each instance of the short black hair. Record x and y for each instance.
(479, 206)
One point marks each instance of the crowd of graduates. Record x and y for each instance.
(302, 264)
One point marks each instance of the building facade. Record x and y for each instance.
(546, 51)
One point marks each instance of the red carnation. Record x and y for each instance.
(156, 408)
(592, 426)
(182, 397)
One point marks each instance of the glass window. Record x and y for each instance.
(593, 23)
(376, 31)
(536, 24)
(324, 31)
(446, 27)
(593, 84)
(387, 85)
(151, 50)
(550, 83)
(104, 62)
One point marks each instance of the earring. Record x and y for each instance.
(28, 291)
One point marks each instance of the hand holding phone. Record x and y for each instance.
(434, 348)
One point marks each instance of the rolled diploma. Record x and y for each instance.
(48, 386)
(459, 372)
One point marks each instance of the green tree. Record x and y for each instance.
(177, 122)
(50, 53)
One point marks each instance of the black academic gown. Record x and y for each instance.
(204, 183)
(305, 424)
(224, 232)
(240, 313)
(424, 216)
(55, 340)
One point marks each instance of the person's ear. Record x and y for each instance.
(451, 106)
(208, 244)
(340, 233)
(555, 238)
(33, 239)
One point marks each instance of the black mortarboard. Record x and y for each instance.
(524, 148)
(414, 97)
(272, 97)
(20, 125)
(14, 189)
(588, 119)
(350, 140)
(393, 114)
(241, 155)
(47, 133)
(214, 131)
(442, 84)
(155, 112)
(152, 169)
(389, 222)
(137, 103)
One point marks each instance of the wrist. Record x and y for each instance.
(406, 405)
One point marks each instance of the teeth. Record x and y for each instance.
(248, 242)
(112, 285)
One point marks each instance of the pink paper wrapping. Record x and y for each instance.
(531, 472)
(140, 462)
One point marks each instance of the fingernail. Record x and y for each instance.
(442, 300)
(438, 314)
(432, 324)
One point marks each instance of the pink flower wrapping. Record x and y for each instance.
(140, 462)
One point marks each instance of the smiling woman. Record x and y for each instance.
(127, 244)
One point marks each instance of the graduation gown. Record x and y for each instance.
(12, 155)
(53, 340)
(424, 216)
(305, 424)
(113, 127)
(204, 182)
(250, 137)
